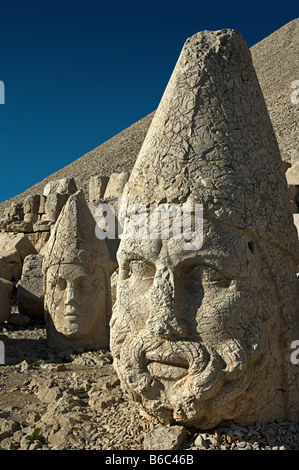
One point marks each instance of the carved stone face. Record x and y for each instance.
(189, 329)
(76, 301)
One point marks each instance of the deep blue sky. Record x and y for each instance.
(78, 72)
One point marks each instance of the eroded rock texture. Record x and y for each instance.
(203, 335)
(76, 281)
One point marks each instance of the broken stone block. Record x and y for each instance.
(39, 239)
(62, 186)
(292, 174)
(30, 289)
(4, 303)
(10, 265)
(42, 202)
(97, 187)
(116, 184)
(165, 438)
(15, 212)
(31, 208)
(10, 241)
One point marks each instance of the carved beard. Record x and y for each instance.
(190, 382)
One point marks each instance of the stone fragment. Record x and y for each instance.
(165, 438)
(10, 265)
(16, 241)
(76, 281)
(292, 174)
(39, 239)
(30, 288)
(116, 184)
(31, 208)
(200, 442)
(199, 324)
(53, 207)
(97, 187)
(4, 303)
(62, 186)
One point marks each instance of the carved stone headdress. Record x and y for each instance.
(73, 238)
(211, 142)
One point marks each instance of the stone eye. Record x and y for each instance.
(61, 283)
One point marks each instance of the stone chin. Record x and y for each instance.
(190, 383)
(71, 328)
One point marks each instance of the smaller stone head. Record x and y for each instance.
(76, 278)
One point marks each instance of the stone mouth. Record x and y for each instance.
(169, 359)
(170, 366)
(163, 370)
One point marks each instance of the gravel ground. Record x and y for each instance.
(75, 403)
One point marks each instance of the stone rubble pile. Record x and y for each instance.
(76, 403)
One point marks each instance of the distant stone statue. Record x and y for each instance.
(76, 281)
(202, 335)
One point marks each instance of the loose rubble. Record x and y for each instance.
(75, 403)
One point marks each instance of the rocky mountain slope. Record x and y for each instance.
(275, 59)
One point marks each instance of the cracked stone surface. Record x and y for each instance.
(202, 336)
(76, 272)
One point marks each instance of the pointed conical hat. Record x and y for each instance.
(211, 142)
(73, 238)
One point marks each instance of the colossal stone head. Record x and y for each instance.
(76, 278)
(201, 333)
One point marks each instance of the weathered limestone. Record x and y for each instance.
(202, 334)
(292, 175)
(76, 281)
(97, 187)
(51, 202)
(62, 186)
(165, 438)
(14, 213)
(14, 247)
(116, 184)
(31, 208)
(53, 207)
(30, 288)
(16, 242)
(39, 239)
(4, 303)
(10, 265)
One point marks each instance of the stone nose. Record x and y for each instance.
(70, 298)
(164, 320)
